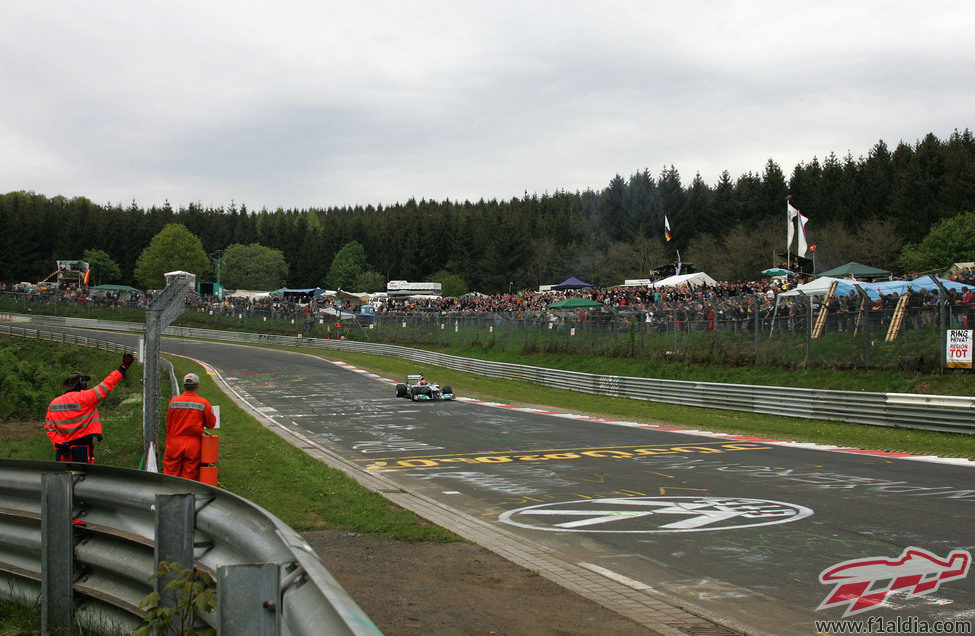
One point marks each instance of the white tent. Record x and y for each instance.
(248, 293)
(341, 314)
(691, 280)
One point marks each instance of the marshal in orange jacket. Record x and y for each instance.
(74, 414)
(186, 418)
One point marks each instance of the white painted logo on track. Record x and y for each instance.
(654, 514)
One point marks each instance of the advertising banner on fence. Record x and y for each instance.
(959, 353)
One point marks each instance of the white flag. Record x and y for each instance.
(803, 244)
(792, 213)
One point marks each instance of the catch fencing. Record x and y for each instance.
(728, 335)
(955, 414)
(734, 330)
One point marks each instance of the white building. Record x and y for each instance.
(404, 289)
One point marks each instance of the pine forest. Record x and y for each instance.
(867, 209)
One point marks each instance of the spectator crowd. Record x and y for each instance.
(720, 303)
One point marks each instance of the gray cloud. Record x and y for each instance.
(310, 104)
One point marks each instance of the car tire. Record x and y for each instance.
(447, 389)
(401, 390)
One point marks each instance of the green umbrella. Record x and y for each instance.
(573, 303)
(776, 271)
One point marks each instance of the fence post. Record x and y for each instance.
(592, 333)
(809, 318)
(865, 323)
(174, 527)
(57, 553)
(942, 322)
(674, 322)
(758, 325)
(249, 599)
(165, 308)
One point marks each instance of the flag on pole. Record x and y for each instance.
(792, 214)
(679, 265)
(803, 248)
(667, 228)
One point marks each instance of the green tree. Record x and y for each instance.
(346, 266)
(104, 268)
(950, 241)
(451, 285)
(174, 248)
(370, 282)
(253, 267)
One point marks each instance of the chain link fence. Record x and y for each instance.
(740, 333)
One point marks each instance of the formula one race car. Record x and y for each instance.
(417, 389)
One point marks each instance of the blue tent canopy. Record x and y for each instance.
(571, 283)
(844, 286)
(901, 287)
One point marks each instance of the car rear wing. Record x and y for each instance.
(414, 378)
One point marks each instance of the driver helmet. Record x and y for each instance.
(423, 382)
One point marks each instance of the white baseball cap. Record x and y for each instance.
(191, 378)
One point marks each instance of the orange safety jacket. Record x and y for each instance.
(75, 414)
(187, 416)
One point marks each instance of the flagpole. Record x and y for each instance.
(788, 245)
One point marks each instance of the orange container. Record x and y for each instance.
(209, 449)
(208, 475)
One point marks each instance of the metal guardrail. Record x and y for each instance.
(66, 338)
(953, 414)
(116, 551)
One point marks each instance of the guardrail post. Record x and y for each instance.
(174, 527)
(57, 553)
(249, 599)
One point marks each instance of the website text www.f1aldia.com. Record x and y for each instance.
(898, 625)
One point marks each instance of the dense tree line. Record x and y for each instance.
(866, 209)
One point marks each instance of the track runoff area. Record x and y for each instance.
(765, 536)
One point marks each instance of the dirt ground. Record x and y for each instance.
(409, 587)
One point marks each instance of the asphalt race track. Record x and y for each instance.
(739, 528)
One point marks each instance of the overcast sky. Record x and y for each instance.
(316, 104)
